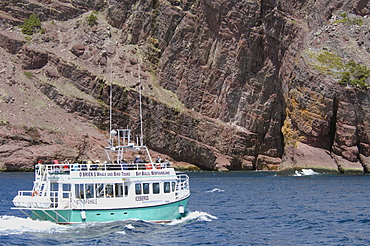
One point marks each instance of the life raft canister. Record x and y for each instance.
(148, 166)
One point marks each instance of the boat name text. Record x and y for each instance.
(91, 201)
(104, 174)
(142, 198)
(123, 174)
(152, 173)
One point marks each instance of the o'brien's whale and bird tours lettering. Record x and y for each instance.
(88, 174)
(104, 174)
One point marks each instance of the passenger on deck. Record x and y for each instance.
(166, 163)
(88, 194)
(111, 165)
(89, 163)
(84, 166)
(56, 167)
(65, 165)
(138, 162)
(138, 159)
(75, 167)
(123, 164)
(117, 165)
(94, 166)
(158, 163)
(101, 166)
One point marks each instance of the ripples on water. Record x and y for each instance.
(236, 208)
(15, 230)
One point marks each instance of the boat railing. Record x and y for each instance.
(182, 187)
(31, 193)
(42, 170)
(25, 193)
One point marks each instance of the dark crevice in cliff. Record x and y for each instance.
(283, 117)
(155, 13)
(333, 123)
(366, 169)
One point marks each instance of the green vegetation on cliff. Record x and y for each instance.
(349, 20)
(350, 73)
(355, 75)
(91, 20)
(32, 25)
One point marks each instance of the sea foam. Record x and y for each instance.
(17, 225)
(305, 172)
(215, 190)
(194, 216)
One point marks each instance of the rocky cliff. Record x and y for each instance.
(237, 85)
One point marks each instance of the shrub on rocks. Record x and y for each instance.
(31, 25)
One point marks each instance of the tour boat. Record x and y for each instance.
(129, 185)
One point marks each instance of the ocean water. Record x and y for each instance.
(235, 208)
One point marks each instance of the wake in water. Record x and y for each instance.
(193, 217)
(10, 225)
(16, 225)
(305, 172)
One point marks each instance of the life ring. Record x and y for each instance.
(35, 193)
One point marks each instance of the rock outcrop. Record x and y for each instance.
(228, 85)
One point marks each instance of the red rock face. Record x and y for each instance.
(226, 84)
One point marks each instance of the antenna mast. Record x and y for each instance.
(140, 109)
(110, 101)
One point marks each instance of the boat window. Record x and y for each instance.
(54, 193)
(138, 189)
(109, 190)
(119, 190)
(54, 187)
(173, 186)
(99, 190)
(79, 191)
(82, 191)
(89, 191)
(167, 187)
(66, 187)
(126, 190)
(66, 190)
(155, 188)
(146, 188)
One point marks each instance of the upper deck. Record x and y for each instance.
(84, 172)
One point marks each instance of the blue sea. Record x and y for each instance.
(235, 208)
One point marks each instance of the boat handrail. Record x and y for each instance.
(42, 169)
(182, 187)
(31, 193)
(25, 193)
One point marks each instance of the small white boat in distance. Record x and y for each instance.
(129, 185)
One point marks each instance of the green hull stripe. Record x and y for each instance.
(165, 213)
